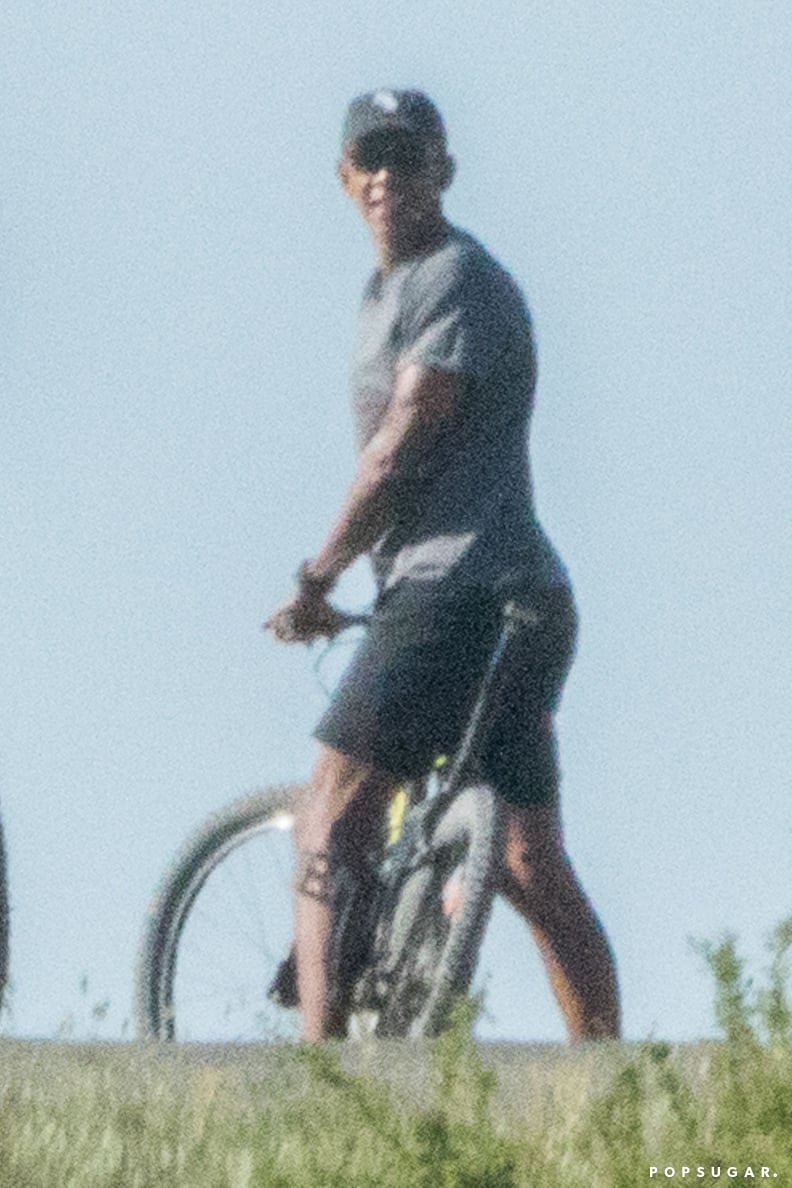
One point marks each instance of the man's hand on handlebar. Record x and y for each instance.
(304, 618)
(307, 615)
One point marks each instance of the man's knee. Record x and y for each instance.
(341, 806)
(339, 779)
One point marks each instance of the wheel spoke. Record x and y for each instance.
(210, 976)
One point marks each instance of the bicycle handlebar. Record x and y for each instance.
(348, 619)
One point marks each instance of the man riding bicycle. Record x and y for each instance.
(443, 386)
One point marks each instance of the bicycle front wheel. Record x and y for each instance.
(220, 923)
(438, 922)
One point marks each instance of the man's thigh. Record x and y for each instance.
(408, 691)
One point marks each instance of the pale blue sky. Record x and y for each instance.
(181, 274)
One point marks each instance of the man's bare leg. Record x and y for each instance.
(540, 883)
(337, 821)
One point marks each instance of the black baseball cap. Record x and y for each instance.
(390, 110)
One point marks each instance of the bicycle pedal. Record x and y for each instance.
(283, 990)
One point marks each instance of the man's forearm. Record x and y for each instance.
(390, 462)
(363, 519)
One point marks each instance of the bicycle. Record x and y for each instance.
(424, 922)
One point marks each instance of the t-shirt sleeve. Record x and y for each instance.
(454, 321)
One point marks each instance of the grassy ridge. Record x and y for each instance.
(130, 1117)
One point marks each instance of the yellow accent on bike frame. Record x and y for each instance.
(400, 802)
(396, 811)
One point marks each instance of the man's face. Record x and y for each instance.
(396, 180)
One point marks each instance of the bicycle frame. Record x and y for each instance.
(464, 766)
(515, 618)
(424, 947)
(412, 822)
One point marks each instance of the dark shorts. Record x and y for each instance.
(412, 683)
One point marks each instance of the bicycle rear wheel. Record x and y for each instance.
(219, 924)
(434, 935)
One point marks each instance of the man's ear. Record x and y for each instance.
(342, 169)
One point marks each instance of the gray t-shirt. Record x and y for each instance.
(465, 511)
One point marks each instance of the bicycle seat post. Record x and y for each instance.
(514, 619)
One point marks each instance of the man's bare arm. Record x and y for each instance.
(422, 401)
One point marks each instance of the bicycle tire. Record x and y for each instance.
(159, 1010)
(433, 952)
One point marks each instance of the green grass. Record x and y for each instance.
(123, 1116)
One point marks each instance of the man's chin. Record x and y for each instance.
(396, 227)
